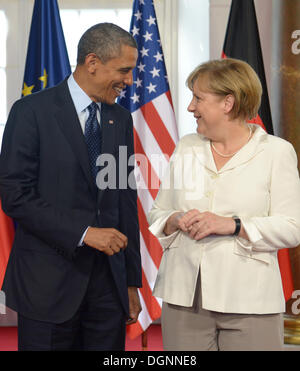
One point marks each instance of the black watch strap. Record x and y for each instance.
(237, 225)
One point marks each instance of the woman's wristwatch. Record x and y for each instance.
(237, 225)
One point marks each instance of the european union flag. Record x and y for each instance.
(47, 61)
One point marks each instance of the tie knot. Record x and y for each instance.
(93, 108)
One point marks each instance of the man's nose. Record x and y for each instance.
(129, 79)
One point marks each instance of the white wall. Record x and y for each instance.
(193, 49)
(19, 16)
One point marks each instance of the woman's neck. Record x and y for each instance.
(232, 138)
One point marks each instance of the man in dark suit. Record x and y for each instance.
(75, 264)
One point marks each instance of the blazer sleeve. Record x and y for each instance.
(162, 207)
(19, 178)
(281, 228)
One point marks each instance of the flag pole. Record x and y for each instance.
(144, 338)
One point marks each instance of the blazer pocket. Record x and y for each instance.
(170, 242)
(256, 255)
(182, 240)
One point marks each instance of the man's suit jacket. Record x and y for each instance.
(46, 185)
(261, 185)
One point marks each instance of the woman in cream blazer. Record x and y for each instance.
(229, 201)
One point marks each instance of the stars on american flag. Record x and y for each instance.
(148, 36)
(141, 67)
(149, 76)
(135, 98)
(151, 87)
(155, 72)
(158, 57)
(151, 21)
(144, 52)
(138, 15)
(122, 94)
(135, 31)
(138, 82)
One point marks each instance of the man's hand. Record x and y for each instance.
(108, 240)
(134, 305)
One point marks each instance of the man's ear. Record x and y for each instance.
(91, 62)
(228, 103)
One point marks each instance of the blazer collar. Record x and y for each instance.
(255, 145)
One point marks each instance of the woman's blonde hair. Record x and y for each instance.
(230, 76)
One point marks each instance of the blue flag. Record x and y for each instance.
(47, 61)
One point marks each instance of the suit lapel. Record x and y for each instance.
(204, 155)
(109, 125)
(68, 121)
(250, 150)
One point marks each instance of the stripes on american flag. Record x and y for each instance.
(155, 133)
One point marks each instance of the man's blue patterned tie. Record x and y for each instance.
(92, 134)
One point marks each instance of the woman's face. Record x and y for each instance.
(208, 109)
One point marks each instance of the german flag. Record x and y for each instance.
(242, 42)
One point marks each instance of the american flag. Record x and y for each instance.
(155, 133)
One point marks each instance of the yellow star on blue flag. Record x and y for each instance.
(27, 89)
(44, 79)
